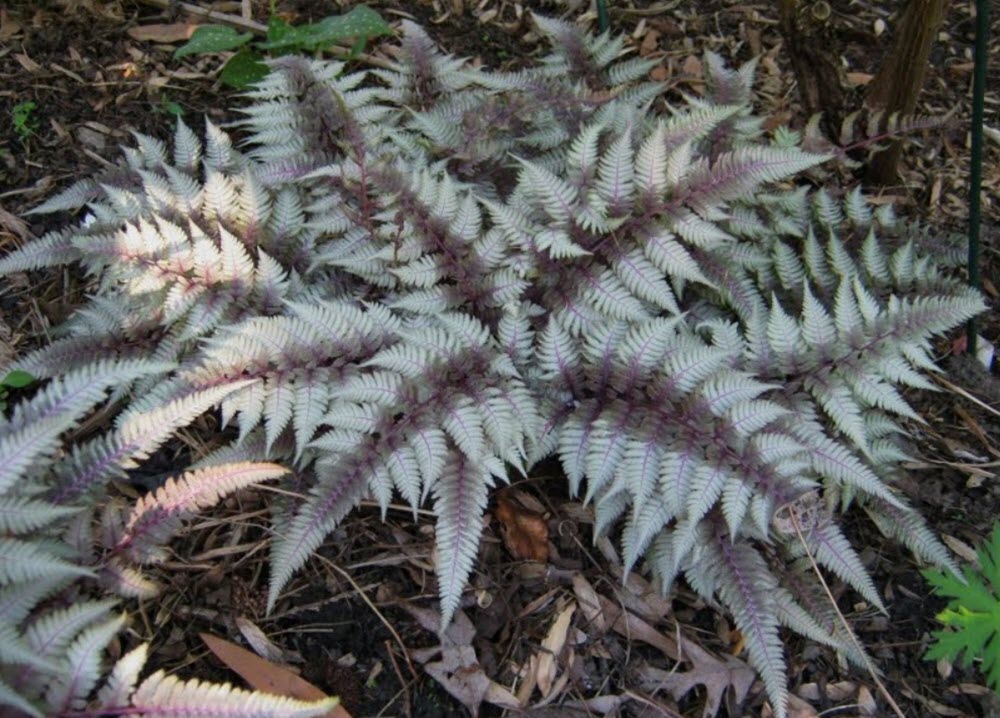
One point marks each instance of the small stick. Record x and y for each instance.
(403, 683)
(843, 621)
(374, 608)
(962, 392)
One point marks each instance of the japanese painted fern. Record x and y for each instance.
(53, 626)
(412, 282)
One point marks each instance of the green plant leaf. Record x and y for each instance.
(17, 379)
(359, 24)
(277, 29)
(213, 38)
(243, 69)
(972, 614)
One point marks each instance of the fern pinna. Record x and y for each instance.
(54, 627)
(416, 280)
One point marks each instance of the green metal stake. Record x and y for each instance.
(603, 23)
(976, 160)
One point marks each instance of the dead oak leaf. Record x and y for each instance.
(525, 532)
(717, 675)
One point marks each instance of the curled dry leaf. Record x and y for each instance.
(525, 532)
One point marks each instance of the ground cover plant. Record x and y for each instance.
(415, 285)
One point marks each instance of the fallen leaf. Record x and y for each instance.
(798, 708)
(859, 79)
(716, 675)
(258, 640)
(692, 68)
(590, 606)
(9, 27)
(13, 224)
(173, 32)
(635, 629)
(838, 692)
(459, 673)
(27, 63)
(659, 74)
(265, 676)
(552, 646)
(650, 43)
(525, 532)
(866, 702)
(961, 548)
(458, 670)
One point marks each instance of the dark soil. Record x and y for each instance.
(92, 84)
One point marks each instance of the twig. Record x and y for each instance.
(225, 19)
(257, 28)
(840, 616)
(374, 608)
(404, 684)
(962, 392)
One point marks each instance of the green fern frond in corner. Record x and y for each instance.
(973, 613)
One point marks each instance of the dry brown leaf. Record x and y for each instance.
(716, 675)
(265, 676)
(458, 670)
(798, 708)
(14, 225)
(659, 74)
(459, 673)
(525, 532)
(173, 32)
(692, 68)
(27, 63)
(859, 79)
(961, 548)
(590, 606)
(837, 692)
(866, 702)
(634, 628)
(258, 640)
(9, 27)
(552, 646)
(650, 43)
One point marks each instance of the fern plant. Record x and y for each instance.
(413, 281)
(54, 624)
(972, 613)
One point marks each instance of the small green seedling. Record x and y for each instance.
(973, 613)
(247, 67)
(25, 122)
(16, 379)
(170, 107)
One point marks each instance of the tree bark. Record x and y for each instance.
(897, 85)
(815, 57)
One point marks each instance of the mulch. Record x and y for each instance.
(357, 621)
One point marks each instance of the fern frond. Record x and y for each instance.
(163, 696)
(156, 516)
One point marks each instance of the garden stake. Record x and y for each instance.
(603, 23)
(976, 160)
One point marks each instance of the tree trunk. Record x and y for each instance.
(815, 58)
(896, 86)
